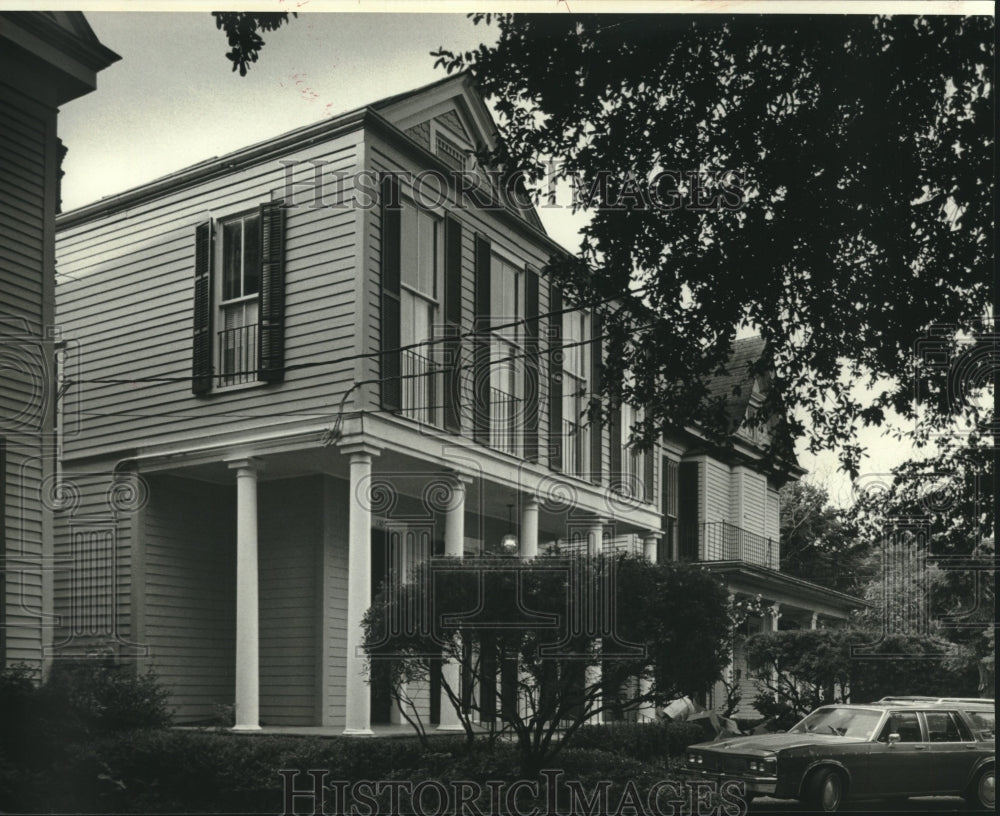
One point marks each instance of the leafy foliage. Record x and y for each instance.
(861, 151)
(930, 529)
(670, 630)
(805, 668)
(818, 542)
(243, 33)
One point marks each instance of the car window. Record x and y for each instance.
(904, 723)
(942, 726)
(983, 723)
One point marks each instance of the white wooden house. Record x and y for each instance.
(46, 60)
(278, 396)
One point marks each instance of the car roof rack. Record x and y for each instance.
(918, 699)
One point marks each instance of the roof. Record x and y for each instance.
(772, 580)
(735, 384)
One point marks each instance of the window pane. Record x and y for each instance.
(232, 259)
(251, 255)
(426, 253)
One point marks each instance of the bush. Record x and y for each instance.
(650, 742)
(91, 697)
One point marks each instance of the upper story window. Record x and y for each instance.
(507, 355)
(239, 299)
(576, 364)
(421, 259)
(238, 254)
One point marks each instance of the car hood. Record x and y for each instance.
(770, 743)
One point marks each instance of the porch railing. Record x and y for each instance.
(238, 355)
(722, 541)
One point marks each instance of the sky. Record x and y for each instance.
(173, 100)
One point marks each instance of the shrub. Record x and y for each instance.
(650, 742)
(88, 697)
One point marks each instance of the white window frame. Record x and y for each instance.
(576, 389)
(223, 306)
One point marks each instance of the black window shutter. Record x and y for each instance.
(481, 377)
(453, 322)
(390, 335)
(555, 357)
(201, 354)
(271, 332)
(596, 425)
(531, 382)
(649, 474)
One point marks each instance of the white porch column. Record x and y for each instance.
(247, 597)
(649, 541)
(775, 616)
(454, 546)
(595, 538)
(814, 621)
(529, 528)
(357, 716)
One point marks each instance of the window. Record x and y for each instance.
(421, 260)
(983, 722)
(239, 299)
(943, 726)
(239, 260)
(633, 460)
(506, 355)
(904, 723)
(576, 363)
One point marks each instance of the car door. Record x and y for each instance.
(897, 768)
(952, 750)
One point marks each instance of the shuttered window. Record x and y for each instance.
(596, 427)
(239, 288)
(531, 380)
(481, 373)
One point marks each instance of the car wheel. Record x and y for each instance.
(825, 792)
(982, 791)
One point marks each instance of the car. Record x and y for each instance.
(890, 749)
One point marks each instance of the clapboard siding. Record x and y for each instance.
(332, 634)
(754, 498)
(125, 293)
(27, 203)
(190, 605)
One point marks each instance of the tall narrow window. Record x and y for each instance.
(421, 259)
(239, 299)
(507, 356)
(576, 364)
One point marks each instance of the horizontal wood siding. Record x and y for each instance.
(27, 203)
(772, 522)
(290, 534)
(333, 632)
(94, 535)
(754, 498)
(125, 292)
(190, 604)
(717, 508)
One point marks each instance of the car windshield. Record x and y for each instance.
(841, 722)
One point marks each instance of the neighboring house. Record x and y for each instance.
(267, 432)
(46, 60)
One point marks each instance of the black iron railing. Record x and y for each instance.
(420, 376)
(505, 422)
(238, 355)
(722, 541)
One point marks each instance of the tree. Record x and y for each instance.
(525, 669)
(801, 669)
(823, 179)
(243, 32)
(817, 541)
(930, 531)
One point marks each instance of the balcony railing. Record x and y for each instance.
(505, 422)
(238, 355)
(573, 440)
(722, 541)
(420, 376)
